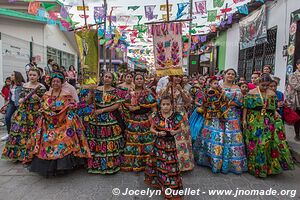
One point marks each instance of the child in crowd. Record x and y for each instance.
(5, 90)
(244, 88)
(5, 94)
(280, 97)
(207, 147)
(162, 170)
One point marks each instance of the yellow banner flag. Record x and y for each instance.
(87, 42)
(164, 7)
(80, 8)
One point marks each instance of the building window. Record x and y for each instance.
(254, 58)
(60, 57)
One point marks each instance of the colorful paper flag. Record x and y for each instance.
(99, 13)
(134, 8)
(238, 1)
(63, 12)
(139, 18)
(165, 17)
(226, 10)
(149, 12)
(48, 6)
(181, 7)
(124, 18)
(218, 3)
(112, 18)
(203, 38)
(243, 9)
(52, 15)
(33, 7)
(229, 20)
(51, 22)
(164, 7)
(83, 16)
(212, 15)
(81, 8)
(41, 13)
(201, 7)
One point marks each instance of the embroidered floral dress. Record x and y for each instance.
(208, 147)
(267, 149)
(196, 120)
(162, 169)
(183, 139)
(57, 140)
(22, 125)
(139, 139)
(104, 135)
(83, 108)
(234, 156)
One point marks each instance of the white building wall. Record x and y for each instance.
(41, 34)
(278, 14)
(55, 38)
(232, 47)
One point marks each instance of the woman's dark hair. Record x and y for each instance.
(19, 79)
(50, 60)
(35, 69)
(298, 62)
(138, 74)
(265, 78)
(57, 74)
(113, 78)
(128, 73)
(273, 81)
(230, 69)
(242, 83)
(166, 97)
(268, 66)
(71, 66)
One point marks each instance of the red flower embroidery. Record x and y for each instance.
(281, 135)
(275, 153)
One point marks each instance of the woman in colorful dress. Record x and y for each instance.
(57, 142)
(139, 140)
(196, 120)
(267, 149)
(182, 100)
(208, 147)
(125, 88)
(280, 97)
(103, 132)
(24, 118)
(17, 81)
(234, 157)
(162, 169)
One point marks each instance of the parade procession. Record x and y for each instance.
(166, 99)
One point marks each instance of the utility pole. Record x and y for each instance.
(84, 13)
(110, 30)
(103, 46)
(168, 14)
(190, 38)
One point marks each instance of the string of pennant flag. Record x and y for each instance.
(218, 16)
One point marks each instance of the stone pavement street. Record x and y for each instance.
(16, 183)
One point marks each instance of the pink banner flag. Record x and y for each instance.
(149, 12)
(52, 15)
(201, 7)
(238, 1)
